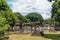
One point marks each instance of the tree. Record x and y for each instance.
(56, 12)
(7, 18)
(7, 13)
(48, 21)
(21, 17)
(34, 17)
(3, 25)
(51, 0)
(3, 5)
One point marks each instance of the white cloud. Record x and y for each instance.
(26, 6)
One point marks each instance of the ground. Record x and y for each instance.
(48, 36)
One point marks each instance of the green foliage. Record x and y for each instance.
(7, 18)
(3, 25)
(48, 21)
(21, 17)
(34, 17)
(7, 13)
(56, 12)
(51, 0)
(3, 5)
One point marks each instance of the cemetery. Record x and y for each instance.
(29, 19)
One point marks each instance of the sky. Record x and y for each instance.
(43, 7)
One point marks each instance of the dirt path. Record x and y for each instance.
(12, 39)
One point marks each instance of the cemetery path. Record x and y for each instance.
(12, 39)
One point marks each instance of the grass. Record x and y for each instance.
(48, 36)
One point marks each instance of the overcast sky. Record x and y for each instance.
(25, 6)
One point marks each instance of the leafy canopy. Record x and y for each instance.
(21, 17)
(34, 17)
(6, 12)
(7, 18)
(3, 25)
(56, 12)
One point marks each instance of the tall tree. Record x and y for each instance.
(7, 13)
(34, 17)
(21, 17)
(56, 12)
(7, 18)
(51, 0)
(3, 25)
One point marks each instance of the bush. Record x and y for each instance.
(4, 37)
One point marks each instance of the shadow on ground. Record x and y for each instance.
(53, 36)
(49, 36)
